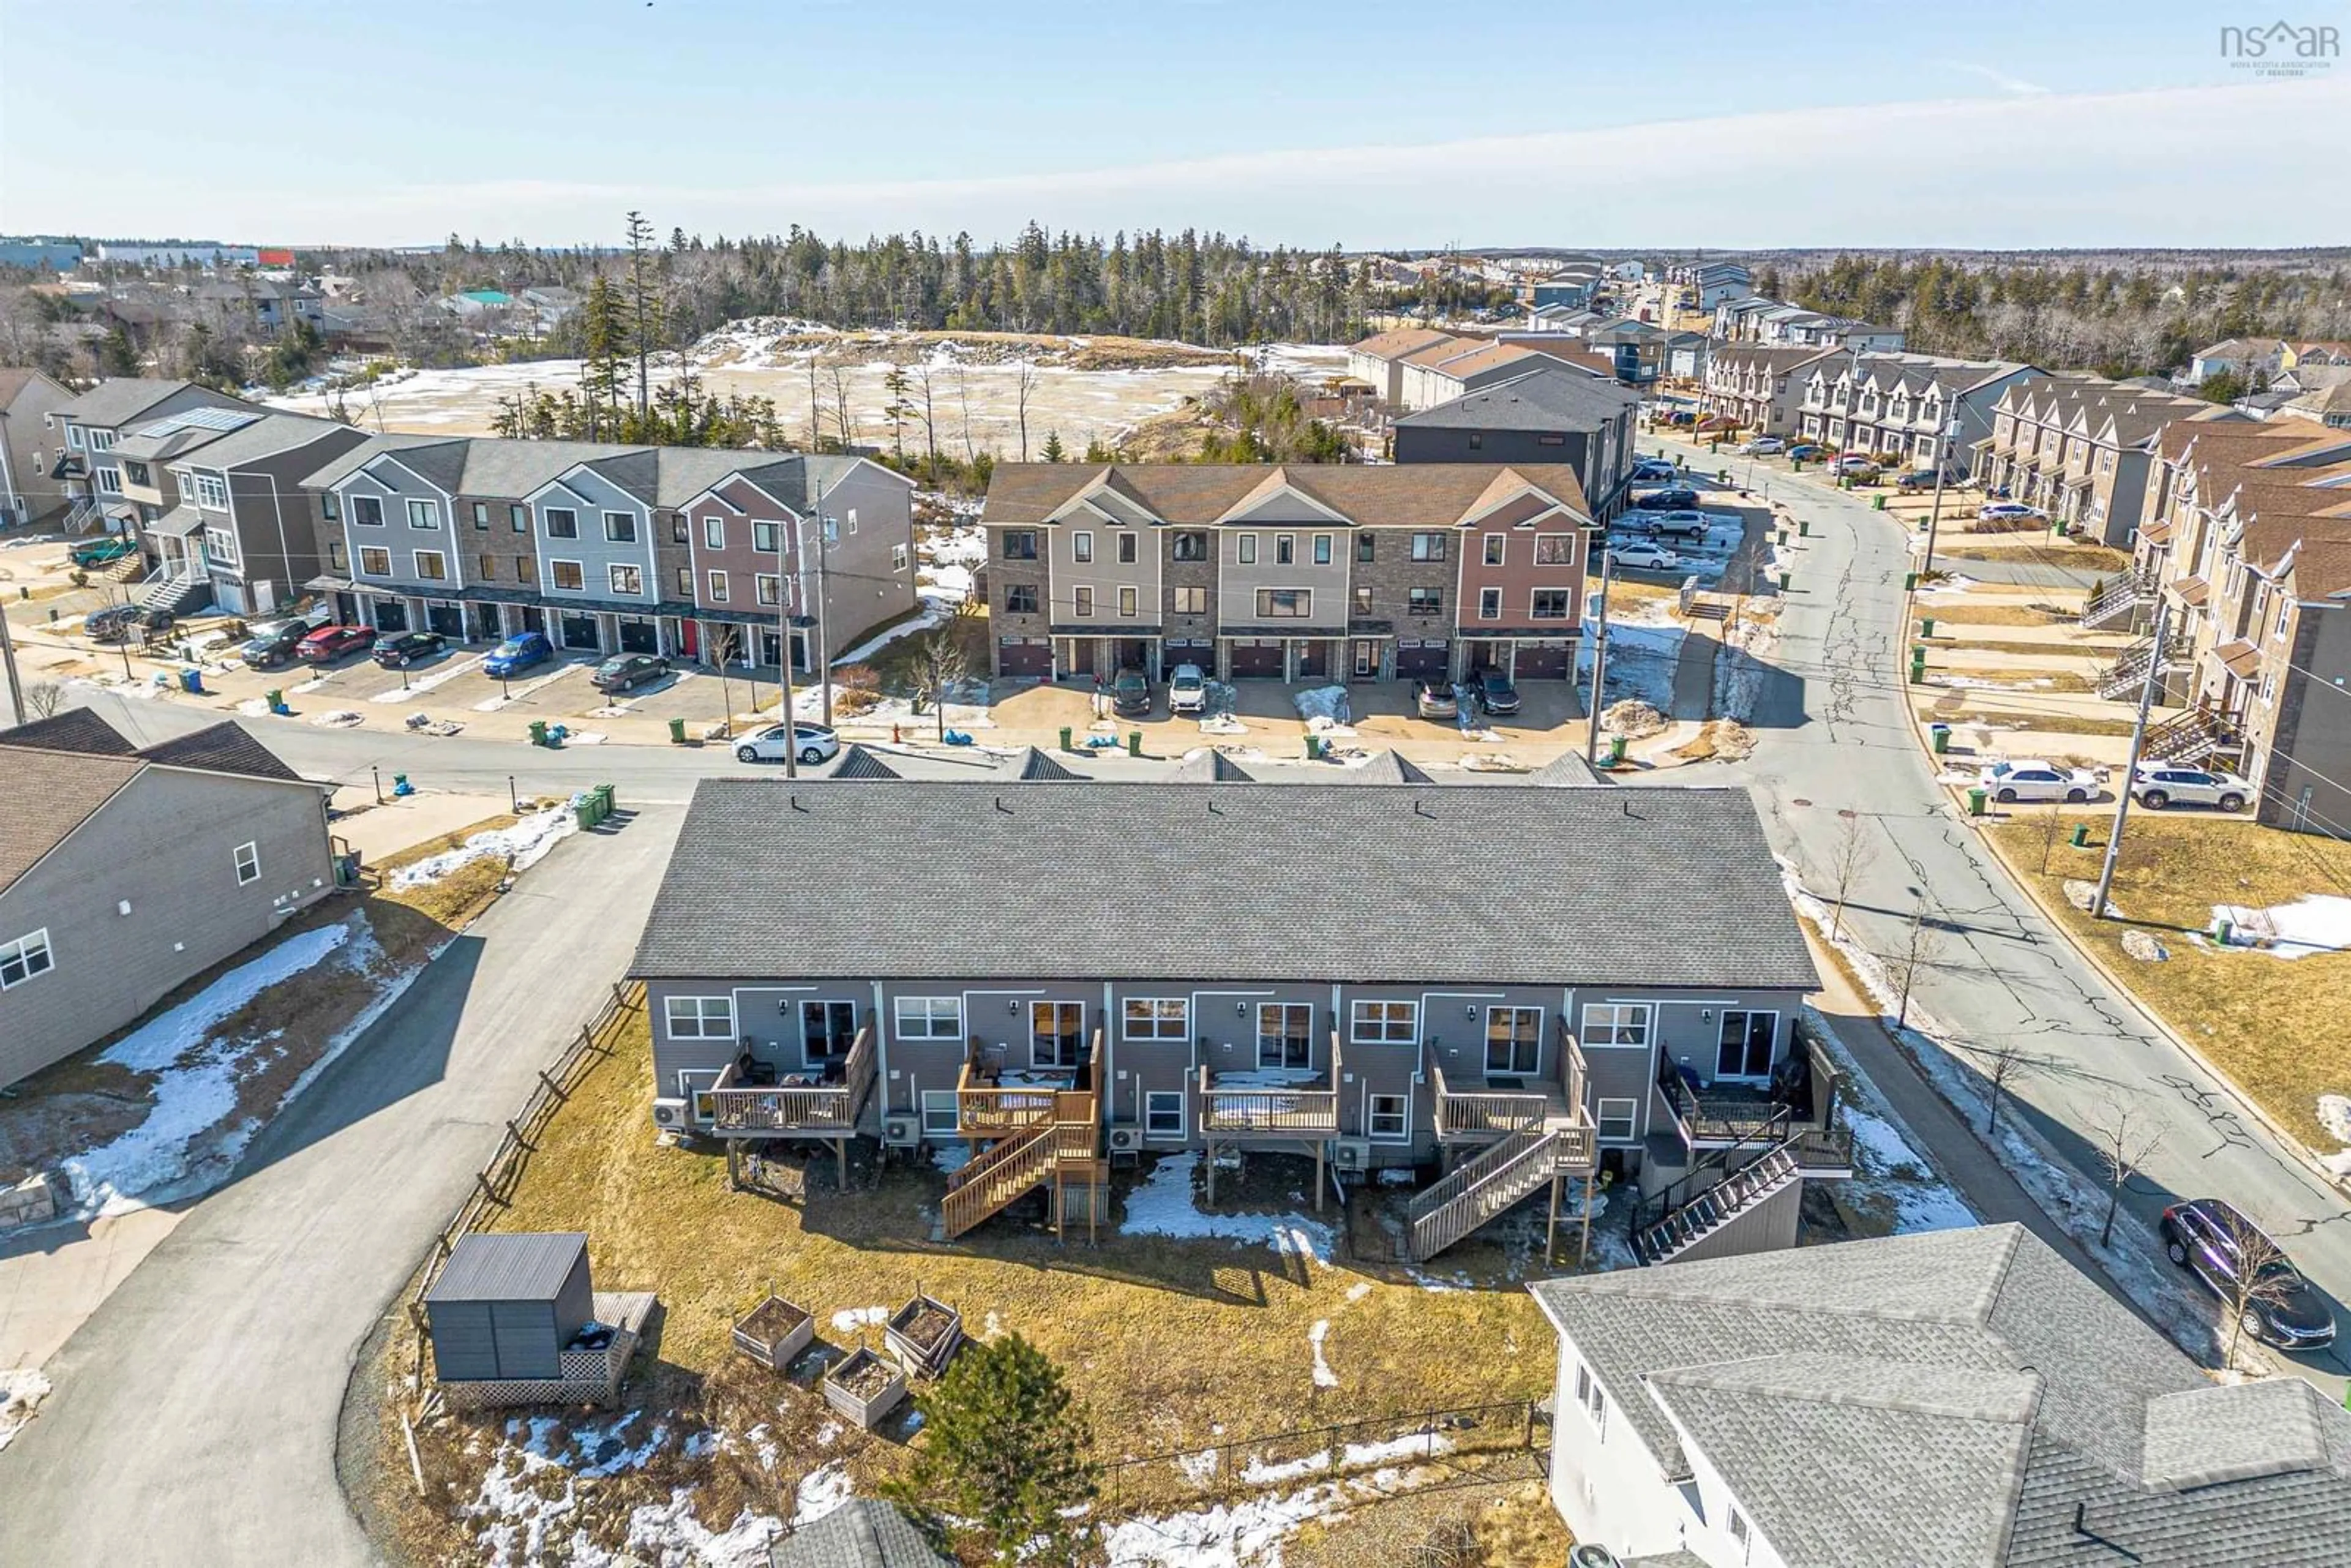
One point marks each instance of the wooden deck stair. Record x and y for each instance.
(1512, 1170)
(1012, 1167)
(1683, 1227)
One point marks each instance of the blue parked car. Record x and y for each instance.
(517, 653)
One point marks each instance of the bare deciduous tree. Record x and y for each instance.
(1849, 856)
(1024, 388)
(930, 418)
(2053, 828)
(938, 666)
(843, 423)
(2003, 1064)
(2257, 1276)
(2126, 1139)
(1920, 949)
(45, 698)
(963, 396)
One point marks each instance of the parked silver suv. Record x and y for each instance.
(1187, 690)
(2155, 787)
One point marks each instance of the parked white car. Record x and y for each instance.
(1187, 690)
(1993, 511)
(1764, 446)
(2157, 787)
(2030, 778)
(1644, 557)
(815, 742)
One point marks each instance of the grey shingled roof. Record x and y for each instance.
(1209, 766)
(1385, 767)
(265, 438)
(861, 1534)
(1567, 770)
(1244, 887)
(857, 762)
(111, 403)
(412, 450)
(521, 1266)
(1033, 767)
(1548, 399)
(76, 729)
(1953, 1398)
(223, 748)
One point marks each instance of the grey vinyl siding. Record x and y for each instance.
(863, 585)
(276, 544)
(30, 451)
(166, 845)
(464, 1347)
(1238, 581)
(395, 486)
(590, 496)
(525, 1333)
(2309, 745)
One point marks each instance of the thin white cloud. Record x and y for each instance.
(2238, 165)
(1998, 78)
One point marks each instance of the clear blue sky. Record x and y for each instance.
(1371, 123)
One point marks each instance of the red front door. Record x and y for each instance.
(689, 638)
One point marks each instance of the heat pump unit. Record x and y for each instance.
(670, 1114)
(1126, 1139)
(902, 1132)
(1351, 1153)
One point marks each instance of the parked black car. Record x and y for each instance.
(2222, 1247)
(1495, 693)
(116, 622)
(1678, 499)
(274, 642)
(398, 649)
(626, 672)
(1130, 694)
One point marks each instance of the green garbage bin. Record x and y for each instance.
(1940, 735)
(1314, 748)
(1616, 751)
(1976, 798)
(2081, 835)
(539, 732)
(1877, 503)
(1783, 581)
(1803, 528)
(1926, 627)
(1067, 742)
(1909, 582)
(677, 732)
(584, 812)
(604, 801)
(2223, 929)
(1134, 743)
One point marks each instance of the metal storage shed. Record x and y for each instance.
(506, 1305)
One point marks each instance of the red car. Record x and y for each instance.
(328, 643)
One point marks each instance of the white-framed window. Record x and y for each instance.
(716, 583)
(1385, 1118)
(1082, 600)
(939, 1113)
(249, 864)
(562, 522)
(423, 514)
(1616, 1023)
(1497, 546)
(2285, 614)
(375, 561)
(1617, 1119)
(1489, 604)
(430, 566)
(1155, 1018)
(220, 545)
(627, 580)
(1285, 1034)
(1590, 1400)
(208, 489)
(1127, 600)
(767, 540)
(519, 517)
(1244, 548)
(768, 587)
(368, 511)
(1163, 1114)
(1554, 550)
(1082, 546)
(851, 517)
(1321, 549)
(75, 437)
(1285, 603)
(1384, 1023)
(714, 531)
(699, 1017)
(694, 1086)
(1128, 549)
(929, 1017)
(1285, 548)
(1737, 1525)
(25, 957)
(898, 557)
(481, 514)
(565, 574)
(621, 527)
(110, 481)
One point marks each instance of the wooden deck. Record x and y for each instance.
(824, 1110)
(1479, 1110)
(1237, 1108)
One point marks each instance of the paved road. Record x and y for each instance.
(194, 1414)
(1834, 734)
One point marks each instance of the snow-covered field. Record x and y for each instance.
(975, 401)
(527, 841)
(1643, 646)
(2319, 923)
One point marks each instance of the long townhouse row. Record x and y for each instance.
(1912, 409)
(2082, 448)
(1359, 973)
(694, 553)
(1297, 573)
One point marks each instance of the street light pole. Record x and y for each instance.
(2130, 769)
(784, 654)
(1599, 658)
(1935, 512)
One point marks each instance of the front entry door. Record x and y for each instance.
(1056, 1034)
(1745, 1049)
(1367, 658)
(827, 1031)
(1513, 1042)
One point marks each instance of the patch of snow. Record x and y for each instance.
(1200, 1469)
(1359, 1289)
(2319, 923)
(1163, 1206)
(668, 1533)
(2335, 1115)
(1641, 660)
(1457, 1282)
(848, 1320)
(527, 841)
(934, 614)
(1323, 1376)
(950, 1158)
(21, 1393)
(821, 1490)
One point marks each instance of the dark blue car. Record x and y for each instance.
(517, 653)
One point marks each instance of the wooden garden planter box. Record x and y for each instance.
(775, 1333)
(923, 1336)
(865, 1388)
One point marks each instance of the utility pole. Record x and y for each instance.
(2130, 769)
(1599, 658)
(8, 658)
(823, 641)
(1935, 513)
(784, 652)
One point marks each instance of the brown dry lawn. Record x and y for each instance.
(1967, 612)
(2272, 1025)
(1171, 1344)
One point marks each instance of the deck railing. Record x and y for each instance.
(1478, 1111)
(986, 1109)
(1305, 1109)
(738, 1107)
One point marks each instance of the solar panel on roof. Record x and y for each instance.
(216, 419)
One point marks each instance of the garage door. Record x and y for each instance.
(1024, 656)
(580, 631)
(1420, 656)
(1547, 660)
(1256, 658)
(1177, 650)
(391, 615)
(449, 620)
(638, 636)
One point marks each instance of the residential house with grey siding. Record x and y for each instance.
(87, 428)
(1476, 1007)
(613, 548)
(126, 871)
(30, 496)
(1544, 416)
